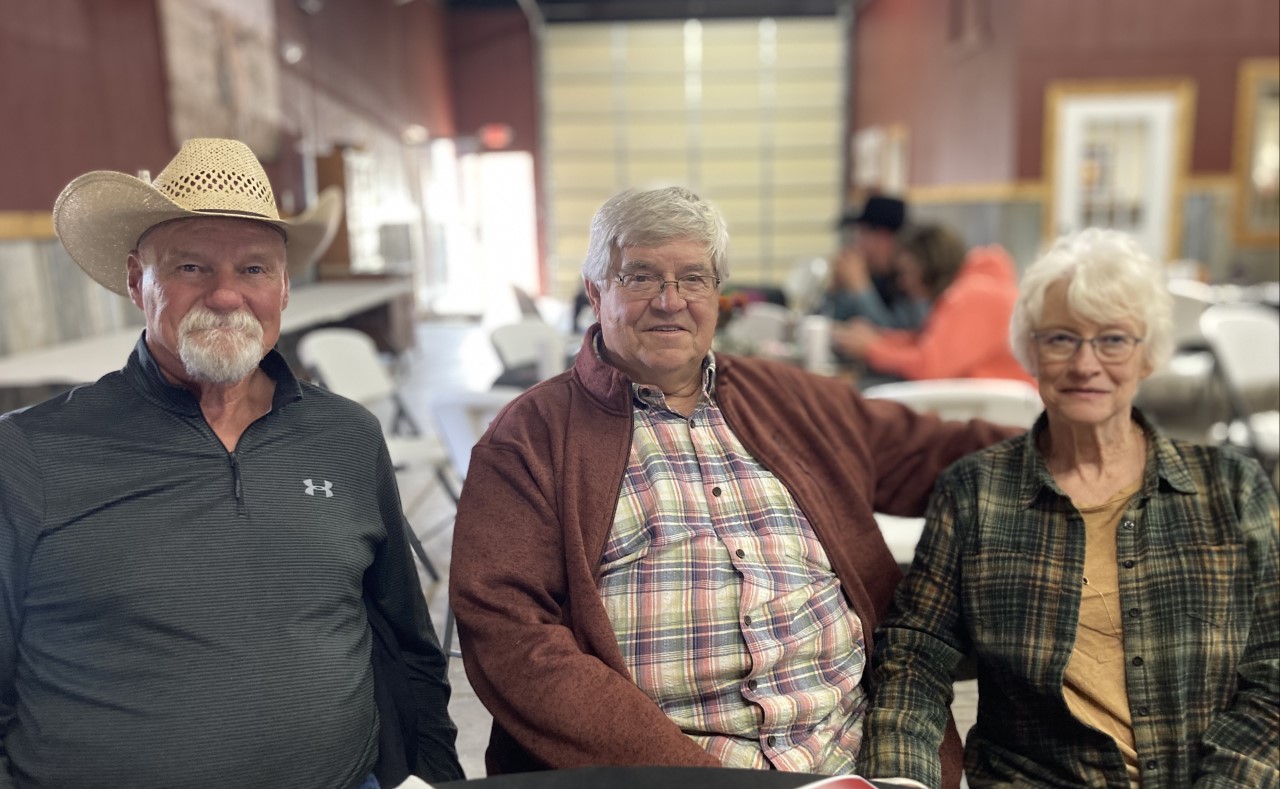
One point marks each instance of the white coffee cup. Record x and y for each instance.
(815, 339)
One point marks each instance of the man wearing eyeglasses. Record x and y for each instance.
(667, 556)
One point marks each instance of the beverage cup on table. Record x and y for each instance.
(815, 340)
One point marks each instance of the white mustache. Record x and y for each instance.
(204, 319)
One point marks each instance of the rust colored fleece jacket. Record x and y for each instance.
(539, 503)
(966, 334)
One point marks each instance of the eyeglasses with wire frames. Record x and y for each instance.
(1057, 345)
(691, 287)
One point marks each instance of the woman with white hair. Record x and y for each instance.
(1118, 590)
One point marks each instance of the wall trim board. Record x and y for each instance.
(992, 192)
(1252, 73)
(1210, 182)
(26, 226)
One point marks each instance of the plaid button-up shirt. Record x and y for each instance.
(997, 573)
(725, 605)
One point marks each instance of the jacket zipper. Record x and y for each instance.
(238, 484)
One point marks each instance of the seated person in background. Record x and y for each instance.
(205, 579)
(1120, 590)
(667, 556)
(967, 332)
(864, 282)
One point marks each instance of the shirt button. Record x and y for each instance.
(741, 554)
(1137, 661)
(751, 684)
(1134, 612)
(1143, 712)
(1128, 525)
(746, 620)
(691, 424)
(770, 740)
(715, 491)
(645, 391)
(1151, 764)
(1128, 564)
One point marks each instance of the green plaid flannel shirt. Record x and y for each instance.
(997, 574)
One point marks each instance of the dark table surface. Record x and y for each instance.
(642, 778)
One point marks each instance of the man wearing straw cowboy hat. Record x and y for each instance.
(193, 549)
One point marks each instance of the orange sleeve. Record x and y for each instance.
(964, 329)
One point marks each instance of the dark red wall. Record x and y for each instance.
(83, 87)
(956, 99)
(387, 63)
(977, 114)
(1157, 39)
(493, 78)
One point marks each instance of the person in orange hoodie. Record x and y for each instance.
(966, 334)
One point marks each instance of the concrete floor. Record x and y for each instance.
(459, 355)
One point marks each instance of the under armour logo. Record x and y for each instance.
(326, 488)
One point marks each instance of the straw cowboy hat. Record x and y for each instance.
(100, 216)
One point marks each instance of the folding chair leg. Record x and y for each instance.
(446, 483)
(421, 553)
(447, 643)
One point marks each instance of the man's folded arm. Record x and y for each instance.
(566, 703)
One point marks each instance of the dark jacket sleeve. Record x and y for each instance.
(392, 593)
(21, 511)
(397, 716)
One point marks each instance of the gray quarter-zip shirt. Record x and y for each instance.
(176, 615)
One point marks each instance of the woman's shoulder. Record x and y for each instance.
(1004, 463)
(1207, 464)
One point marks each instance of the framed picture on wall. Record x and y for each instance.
(1257, 154)
(1116, 154)
(879, 159)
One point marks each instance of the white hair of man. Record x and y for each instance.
(1109, 279)
(652, 218)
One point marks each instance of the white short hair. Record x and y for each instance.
(651, 218)
(1109, 279)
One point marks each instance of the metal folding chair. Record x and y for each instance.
(1245, 340)
(462, 417)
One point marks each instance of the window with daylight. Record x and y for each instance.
(747, 113)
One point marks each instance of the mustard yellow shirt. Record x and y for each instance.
(1094, 682)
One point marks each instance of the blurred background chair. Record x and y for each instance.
(461, 417)
(760, 324)
(346, 362)
(530, 350)
(1245, 341)
(1003, 401)
(993, 399)
(1185, 387)
(1190, 299)
(805, 284)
